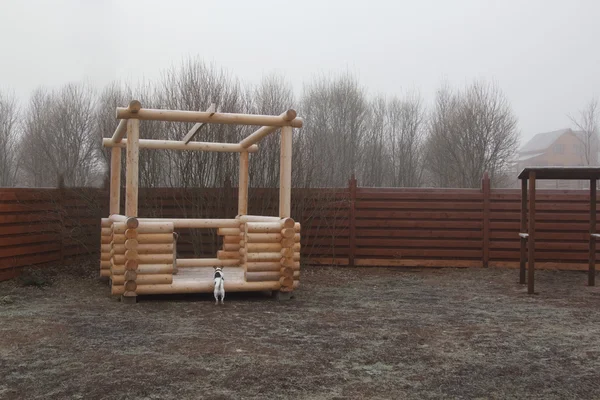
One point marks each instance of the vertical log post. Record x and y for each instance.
(523, 240)
(592, 266)
(227, 198)
(131, 195)
(115, 181)
(352, 221)
(133, 152)
(485, 186)
(531, 238)
(285, 173)
(243, 184)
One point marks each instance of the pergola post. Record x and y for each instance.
(131, 181)
(115, 181)
(592, 266)
(531, 232)
(285, 173)
(243, 184)
(523, 240)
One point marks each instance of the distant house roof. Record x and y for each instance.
(542, 141)
(525, 157)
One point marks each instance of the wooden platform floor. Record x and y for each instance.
(206, 274)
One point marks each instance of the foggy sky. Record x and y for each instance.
(543, 54)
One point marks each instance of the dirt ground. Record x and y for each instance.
(349, 333)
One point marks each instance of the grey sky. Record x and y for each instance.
(544, 54)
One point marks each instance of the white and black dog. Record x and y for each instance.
(219, 285)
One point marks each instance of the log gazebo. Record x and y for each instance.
(260, 253)
(527, 232)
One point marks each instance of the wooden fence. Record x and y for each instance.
(346, 226)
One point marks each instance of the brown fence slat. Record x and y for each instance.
(388, 225)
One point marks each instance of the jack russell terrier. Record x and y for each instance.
(219, 285)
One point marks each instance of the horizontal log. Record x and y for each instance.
(155, 238)
(105, 272)
(118, 270)
(105, 256)
(199, 223)
(178, 145)
(156, 227)
(258, 218)
(106, 239)
(274, 256)
(263, 227)
(264, 238)
(155, 248)
(105, 264)
(262, 266)
(105, 248)
(207, 117)
(205, 262)
(231, 239)
(262, 276)
(231, 246)
(228, 232)
(263, 247)
(131, 234)
(117, 218)
(106, 231)
(152, 279)
(155, 258)
(105, 223)
(228, 255)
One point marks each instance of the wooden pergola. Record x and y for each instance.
(527, 232)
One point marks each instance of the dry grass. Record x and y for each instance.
(349, 333)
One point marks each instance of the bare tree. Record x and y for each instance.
(588, 123)
(271, 97)
(406, 120)
(336, 114)
(59, 137)
(470, 132)
(9, 114)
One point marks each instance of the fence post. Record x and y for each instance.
(352, 221)
(486, 189)
(61, 211)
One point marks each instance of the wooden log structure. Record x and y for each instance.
(178, 145)
(140, 254)
(208, 117)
